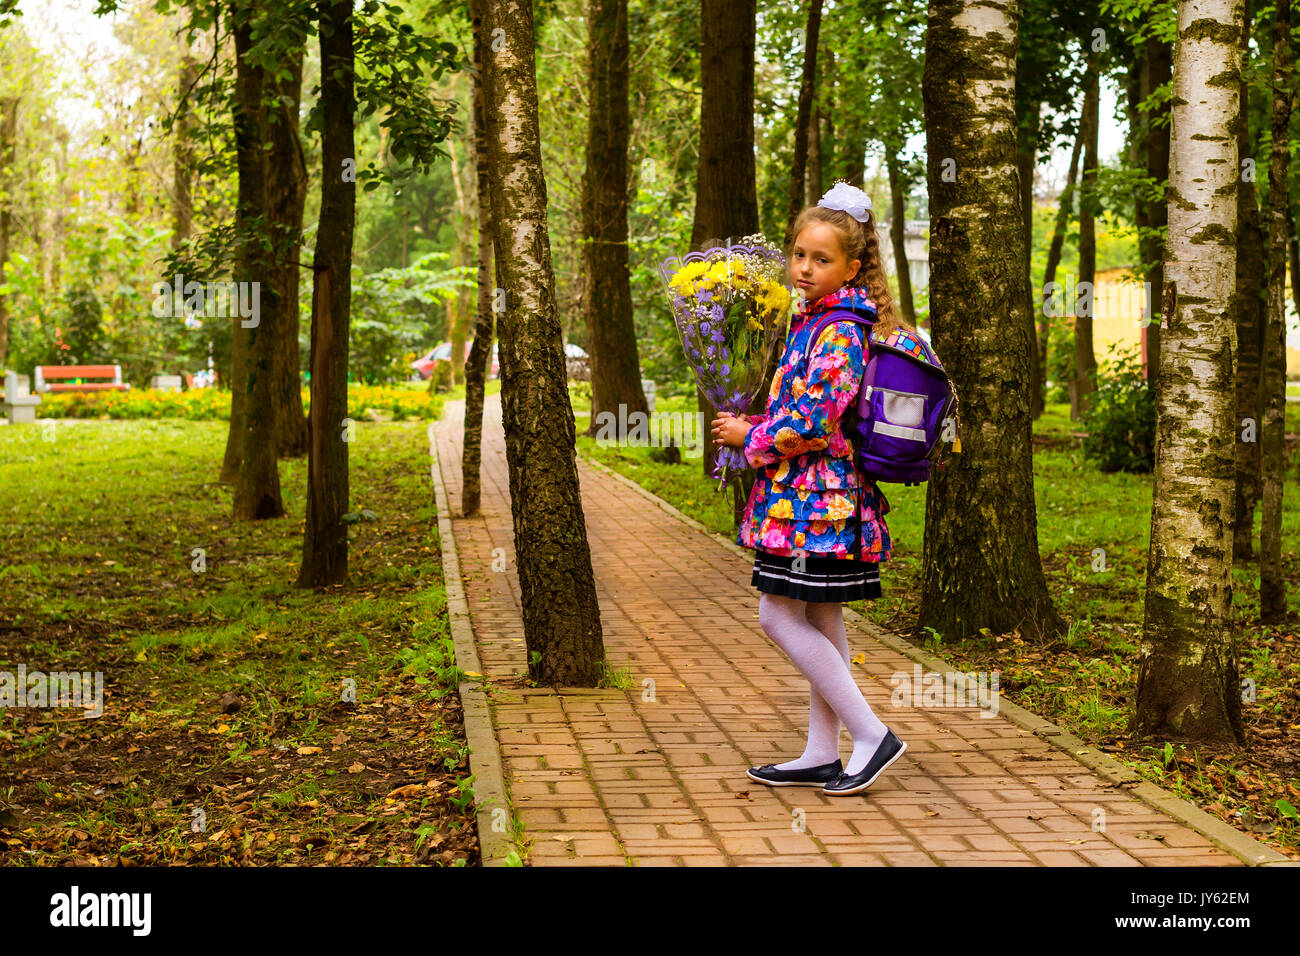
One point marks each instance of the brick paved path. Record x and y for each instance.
(606, 777)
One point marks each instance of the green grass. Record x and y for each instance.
(100, 522)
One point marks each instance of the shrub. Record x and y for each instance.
(1121, 418)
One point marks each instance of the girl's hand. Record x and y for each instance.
(729, 429)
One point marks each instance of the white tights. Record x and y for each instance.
(812, 635)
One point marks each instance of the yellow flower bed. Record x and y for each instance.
(212, 404)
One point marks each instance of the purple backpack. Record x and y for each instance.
(903, 406)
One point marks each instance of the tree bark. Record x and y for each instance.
(325, 540)
(8, 138)
(1085, 359)
(1272, 585)
(1150, 152)
(481, 348)
(257, 486)
(1027, 159)
(898, 236)
(981, 566)
(1248, 305)
(458, 307)
(803, 119)
(1187, 674)
(607, 298)
(812, 180)
(1064, 210)
(560, 610)
(726, 194)
(287, 195)
(183, 157)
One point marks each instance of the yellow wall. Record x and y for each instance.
(1117, 314)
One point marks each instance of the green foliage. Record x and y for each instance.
(1060, 357)
(81, 328)
(1121, 417)
(397, 314)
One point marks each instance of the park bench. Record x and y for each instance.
(19, 403)
(46, 372)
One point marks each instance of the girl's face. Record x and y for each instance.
(817, 263)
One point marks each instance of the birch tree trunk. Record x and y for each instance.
(1187, 676)
(1272, 586)
(981, 566)
(558, 590)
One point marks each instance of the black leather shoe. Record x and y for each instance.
(808, 777)
(890, 749)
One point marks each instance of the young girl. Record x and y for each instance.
(817, 527)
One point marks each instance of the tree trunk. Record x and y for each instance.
(481, 348)
(1149, 151)
(898, 236)
(183, 156)
(8, 138)
(1187, 675)
(458, 307)
(1272, 585)
(607, 298)
(804, 117)
(287, 194)
(1027, 158)
(325, 540)
(257, 486)
(981, 566)
(1157, 67)
(1248, 305)
(558, 590)
(1064, 210)
(1293, 253)
(726, 193)
(1085, 305)
(812, 180)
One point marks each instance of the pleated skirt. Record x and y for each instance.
(816, 578)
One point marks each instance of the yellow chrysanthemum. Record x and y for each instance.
(782, 509)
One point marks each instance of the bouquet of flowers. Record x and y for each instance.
(731, 302)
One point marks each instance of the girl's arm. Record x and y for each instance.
(833, 380)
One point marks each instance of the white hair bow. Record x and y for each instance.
(848, 198)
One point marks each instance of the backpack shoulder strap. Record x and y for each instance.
(835, 315)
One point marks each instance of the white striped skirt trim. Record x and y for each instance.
(821, 578)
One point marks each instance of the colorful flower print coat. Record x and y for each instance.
(803, 500)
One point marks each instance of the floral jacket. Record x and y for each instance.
(806, 490)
